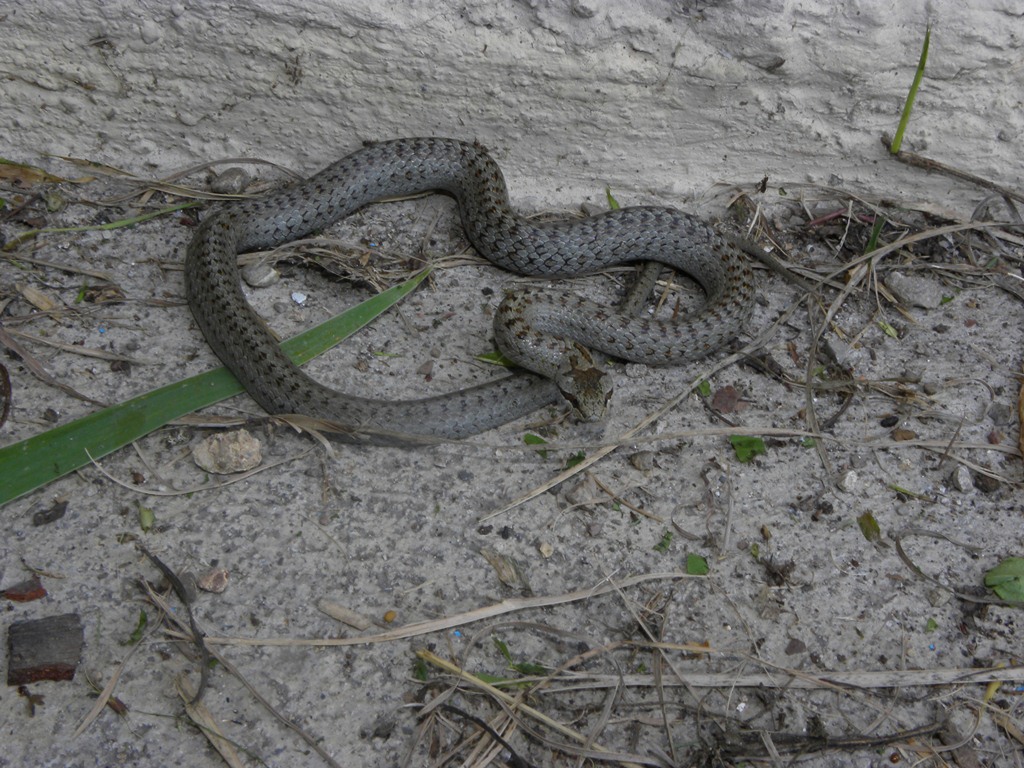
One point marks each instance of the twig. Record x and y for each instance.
(313, 743)
(107, 692)
(438, 625)
(514, 760)
(212, 486)
(857, 679)
(7, 340)
(196, 635)
(206, 722)
(474, 682)
(926, 163)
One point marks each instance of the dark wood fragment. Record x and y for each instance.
(51, 515)
(26, 591)
(44, 649)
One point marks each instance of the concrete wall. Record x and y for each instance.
(657, 98)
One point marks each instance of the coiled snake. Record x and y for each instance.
(540, 329)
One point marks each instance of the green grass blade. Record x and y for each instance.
(876, 230)
(14, 242)
(39, 460)
(909, 105)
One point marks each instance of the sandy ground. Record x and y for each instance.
(803, 627)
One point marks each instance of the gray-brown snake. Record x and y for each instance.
(538, 328)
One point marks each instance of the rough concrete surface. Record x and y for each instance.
(661, 101)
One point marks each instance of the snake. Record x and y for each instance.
(551, 334)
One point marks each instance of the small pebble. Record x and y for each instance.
(232, 182)
(584, 493)
(214, 580)
(260, 275)
(223, 454)
(795, 646)
(960, 478)
(642, 460)
(915, 291)
(847, 480)
(913, 375)
(986, 484)
(1001, 414)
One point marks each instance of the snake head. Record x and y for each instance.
(586, 387)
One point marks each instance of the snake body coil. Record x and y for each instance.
(535, 327)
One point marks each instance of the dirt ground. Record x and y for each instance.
(570, 617)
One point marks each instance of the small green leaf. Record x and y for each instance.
(869, 527)
(612, 202)
(502, 647)
(888, 330)
(490, 679)
(575, 459)
(420, 670)
(907, 492)
(495, 358)
(531, 439)
(697, 565)
(704, 388)
(1007, 580)
(140, 627)
(808, 442)
(876, 230)
(747, 447)
(755, 550)
(663, 545)
(526, 668)
(147, 518)
(931, 625)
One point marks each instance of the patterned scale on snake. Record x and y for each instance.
(542, 330)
